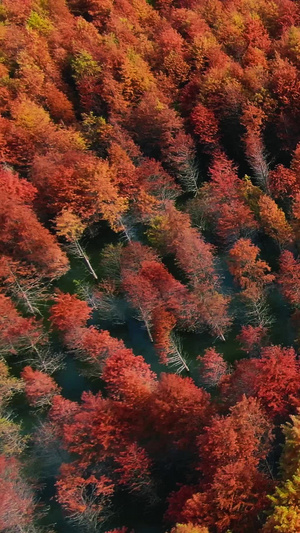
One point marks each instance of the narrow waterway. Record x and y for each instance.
(73, 382)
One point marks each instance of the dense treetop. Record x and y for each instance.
(149, 269)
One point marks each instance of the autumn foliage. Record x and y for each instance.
(149, 266)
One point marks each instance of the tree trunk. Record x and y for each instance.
(125, 231)
(148, 331)
(181, 358)
(86, 259)
(146, 323)
(28, 303)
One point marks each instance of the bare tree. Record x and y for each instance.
(259, 313)
(23, 283)
(177, 358)
(44, 359)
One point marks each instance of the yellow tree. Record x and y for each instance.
(285, 517)
(189, 528)
(286, 507)
(273, 221)
(70, 226)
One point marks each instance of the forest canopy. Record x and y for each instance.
(149, 266)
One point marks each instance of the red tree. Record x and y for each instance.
(152, 121)
(85, 498)
(142, 295)
(150, 288)
(253, 119)
(162, 325)
(251, 273)
(296, 214)
(93, 346)
(79, 182)
(155, 180)
(179, 410)
(273, 379)
(251, 338)
(94, 431)
(205, 126)
(283, 181)
(176, 502)
(133, 468)
(128, 378)
(69, 313)
(22, 236)
(172, 233)
(235, 499)
(39, 387)
(62, 411)
(247, 430)
(235, 489)
(171, 56)
(226, 204)
(16, 498)
(17, 332)
(289, 277)
(212, 367)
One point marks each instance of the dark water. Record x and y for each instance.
(134, 335)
